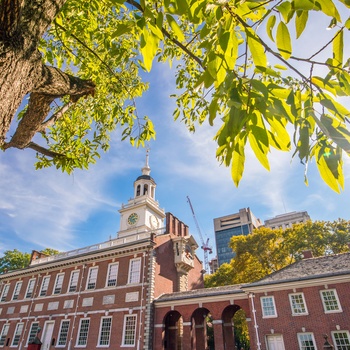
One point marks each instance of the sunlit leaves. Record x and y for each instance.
(283, 40)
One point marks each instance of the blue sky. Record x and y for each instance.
(47, 208)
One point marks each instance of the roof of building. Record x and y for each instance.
(202, 293)
(305, 269)
(145, 177)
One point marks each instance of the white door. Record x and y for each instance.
(47, 335)
(275, 342)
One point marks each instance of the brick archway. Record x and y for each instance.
(173, 331)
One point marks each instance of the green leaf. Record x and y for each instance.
(338, 46)
(175, 27)
(306, 5)
(300, 22)
(285, 9)
(256, 48)
(270, 25)
(149, 47)
(238, 160)
(284, 43)
(328, 8)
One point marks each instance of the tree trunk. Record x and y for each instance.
(22, 24)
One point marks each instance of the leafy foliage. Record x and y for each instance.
(14, 259)
(251, 83)
(266, 250)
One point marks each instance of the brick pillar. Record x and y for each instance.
(229, 335)
(218, 336)
(201, 335)
(187, 336)
(158, 338)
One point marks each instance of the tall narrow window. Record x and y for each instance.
(138, 190)
(62, 337)
(268, 307)
(18, 333)
(4, 332)
(330, 301)
(33, 332)
(17, 290)
(30, 288)
(134, 270)
(306, 341)
(92, 278)
(58, 283)
(44, 286)
(83, 332)
(297, 304)
(145, 189)
(73, 283)
(5, 291)
(105, 331)
(112, 275)
(129, 332)
(341, 340)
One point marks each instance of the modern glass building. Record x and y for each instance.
(241, 223)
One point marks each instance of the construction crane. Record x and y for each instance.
(205, 245)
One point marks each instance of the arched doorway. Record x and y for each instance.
(173, 331)
(235, 329)
(202, 330)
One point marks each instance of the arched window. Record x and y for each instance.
(145, 189)
(138, 190)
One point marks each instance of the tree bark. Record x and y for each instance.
(23, 22)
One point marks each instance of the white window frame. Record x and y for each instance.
(99, 345)
(63, 334)
(133, 330)
(5, 292)
(44, 284)
(263, 310)
(58, 283)
(134, 271)
(91, 280)
(17, 290)
(4, 333)
(305, 347)
(112, 274)
(73, 281)
(294, 313)
(33, 331)
(17, 334)
(86, 331)
(336, 299)
(30, 288)
(341, 346)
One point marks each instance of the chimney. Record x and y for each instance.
(307, 254)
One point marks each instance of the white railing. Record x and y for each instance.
(95, 247)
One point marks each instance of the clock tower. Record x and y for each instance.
(142, 212)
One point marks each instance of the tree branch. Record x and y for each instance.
(52, 120)
(43, 151)
(9, 18)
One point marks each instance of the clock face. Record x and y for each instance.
(132, 219)
(154, 222)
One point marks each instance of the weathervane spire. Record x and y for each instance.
(146, 170)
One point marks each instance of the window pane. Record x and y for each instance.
(5, 291)
(341, 340)
(129, 330)
(330, 300)
(83, 332)
(44, 286)
(134, 271)
(62, 338)
(30, 288)
(17, 290)
(306, 341)
(5, 330)
(268, 306)
(58, 284)
(112, 275)
(92, 278)
(297, 303)
(73, 281)
(18, 333)
(105, 331)
(33, 331)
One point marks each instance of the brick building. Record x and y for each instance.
(101, 295)
(144, 290)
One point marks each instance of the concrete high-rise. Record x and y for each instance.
(241, 223)
(287, 220)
